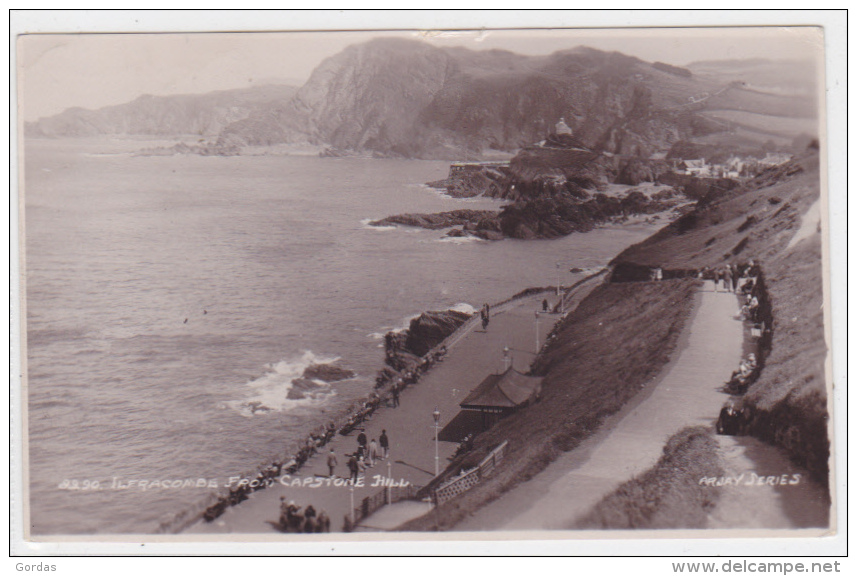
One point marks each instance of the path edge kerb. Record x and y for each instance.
(503, 306)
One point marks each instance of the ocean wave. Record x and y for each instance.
(464, 307)
(366, 224)
(460, 239)
(270, 392)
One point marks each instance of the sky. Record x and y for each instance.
(59, 71)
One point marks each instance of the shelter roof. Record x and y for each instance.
(507, 390)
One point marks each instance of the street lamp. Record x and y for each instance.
(436, 416)
(506, 359)
(389, 481)
(537, 331)
(558, 278)
(352, 506)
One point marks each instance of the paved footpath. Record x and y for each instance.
(473, 354)
(629, 443)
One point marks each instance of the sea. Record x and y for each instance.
(171, 300)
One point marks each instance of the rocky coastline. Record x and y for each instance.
(542, 218)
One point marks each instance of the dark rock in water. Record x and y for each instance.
(576, 270)
(470, 183)
(327, 373)
(438, 184)
(431, 328)
(457, 233)
(436, 221)
(488, 234)
(301, 388)
(404, 349)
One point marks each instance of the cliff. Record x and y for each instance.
(405, 98)
(201, 114)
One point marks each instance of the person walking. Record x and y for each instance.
(373, 452)
(331, 463)
(395, 395)
(353, 467)
(385, 445)
(727, 278)
(361, 443)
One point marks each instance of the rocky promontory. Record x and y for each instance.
(436, 221)
(556, 188)
(405, 348)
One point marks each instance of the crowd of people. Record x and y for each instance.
(745, 375)
(308, 521)
(367, 455)
(732, 277)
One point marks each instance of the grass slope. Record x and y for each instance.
(669, 494)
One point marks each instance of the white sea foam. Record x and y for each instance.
(268, 393)
(460, 239)
(464, 307)
(366, 224)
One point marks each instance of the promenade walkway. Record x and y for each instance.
(472, 355)
(687, 393)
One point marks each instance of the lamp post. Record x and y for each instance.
(537, 331)
(558, 278)
(436, 416)
(506, 359)
(352, 506)
(389, 481)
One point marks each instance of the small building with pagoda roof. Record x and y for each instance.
(499, 395)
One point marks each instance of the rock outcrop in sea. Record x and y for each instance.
(404, 349)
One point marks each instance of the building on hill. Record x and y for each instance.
(561, 128)
(775, 159)
(697, 167)
(562, 137)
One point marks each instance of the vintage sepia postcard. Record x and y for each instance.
(318, 286)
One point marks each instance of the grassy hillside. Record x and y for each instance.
(787, 406)
(602, 354)
(668, 495)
